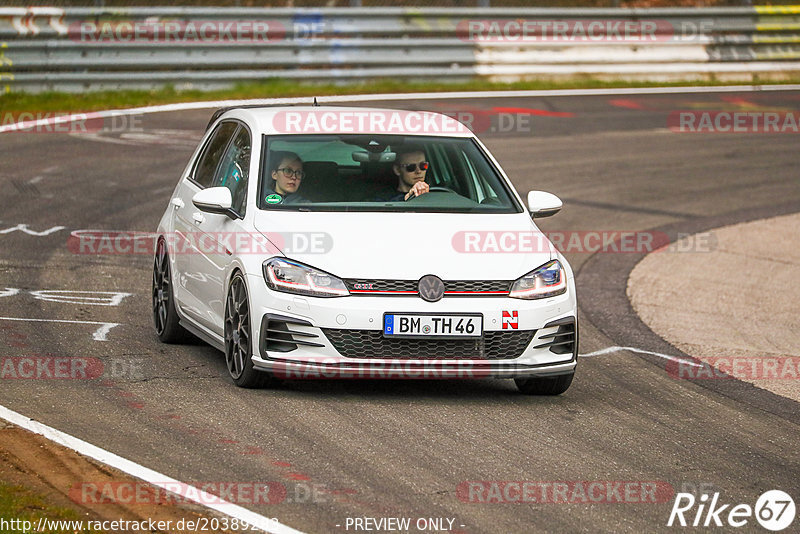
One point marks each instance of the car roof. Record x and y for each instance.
(305, 120)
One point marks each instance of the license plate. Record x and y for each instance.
(424, 325)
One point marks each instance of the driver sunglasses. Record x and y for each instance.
(411, 167)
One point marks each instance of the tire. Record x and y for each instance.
(238, 336)
(165, 318)
(544, 385)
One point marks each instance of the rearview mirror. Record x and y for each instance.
(543, 204)
(215, 200)
(362, 156)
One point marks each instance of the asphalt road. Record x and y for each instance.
(401, 448)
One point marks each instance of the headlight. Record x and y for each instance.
(293, 277)
(548, 280)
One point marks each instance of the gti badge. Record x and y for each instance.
(362, 286)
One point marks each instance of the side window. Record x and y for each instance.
(233, 171)
(209, 159)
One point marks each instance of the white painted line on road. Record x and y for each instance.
(155, 478)
(66, 296)
(98, 335)
(184, 106)
(24, 228)
(101, 333)
(91, 298)
(609, 350)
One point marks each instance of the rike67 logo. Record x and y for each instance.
(774, 510)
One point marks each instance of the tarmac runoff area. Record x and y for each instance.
(733, 304)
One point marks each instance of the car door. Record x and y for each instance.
(188, 218)
(220, 233)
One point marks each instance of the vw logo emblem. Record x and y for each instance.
(431, 288)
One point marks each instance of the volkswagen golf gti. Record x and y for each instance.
(335, 242)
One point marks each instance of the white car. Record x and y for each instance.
(332, 242)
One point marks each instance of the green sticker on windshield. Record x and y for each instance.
(274, 199)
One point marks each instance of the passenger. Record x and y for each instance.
(410, 167)
(287, 173)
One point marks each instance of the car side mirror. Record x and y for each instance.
(543, 204)
(215, 200)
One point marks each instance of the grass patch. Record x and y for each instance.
(17, 502)
(92, 101)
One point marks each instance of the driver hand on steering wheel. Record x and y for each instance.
(410, 167)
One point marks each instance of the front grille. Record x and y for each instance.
(371, 344)
(382, 285)
(412, 286)
(477, 285)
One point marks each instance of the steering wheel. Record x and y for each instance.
(441, 188)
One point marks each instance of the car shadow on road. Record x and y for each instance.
(479, 390)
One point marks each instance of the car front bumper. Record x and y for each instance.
(302, 337)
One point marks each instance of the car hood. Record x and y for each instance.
(407, 246)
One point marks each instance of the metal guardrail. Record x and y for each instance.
(74, 49)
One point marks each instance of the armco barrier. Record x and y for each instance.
(75, 49)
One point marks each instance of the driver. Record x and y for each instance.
(410, 167)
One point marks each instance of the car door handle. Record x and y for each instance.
(198, 217)
(178, 203)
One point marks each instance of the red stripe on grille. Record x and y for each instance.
(476, 292)
(373, 291)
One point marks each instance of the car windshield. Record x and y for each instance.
(375, 173)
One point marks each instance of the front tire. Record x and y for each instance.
(544, 385)
(165, 317)
(238, 336)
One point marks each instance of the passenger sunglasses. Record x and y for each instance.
(411, 167)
